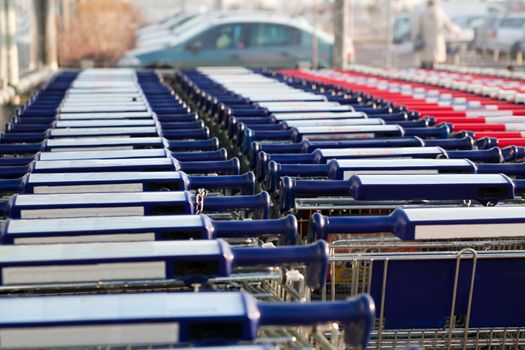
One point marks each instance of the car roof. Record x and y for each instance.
(225, 17)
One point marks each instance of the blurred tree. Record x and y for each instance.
(97, 30)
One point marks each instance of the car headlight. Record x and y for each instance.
(128, 60)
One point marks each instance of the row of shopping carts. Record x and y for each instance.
(125, 225)
(415, 188)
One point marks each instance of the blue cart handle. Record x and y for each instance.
(178, 117)
(420, 123)
(15, 161)
(268, 134)
(259, 204)
(195, 145)
(511, 169)
(289, 189)
(229, 167)
(314, 255)
(245, 182)
(391, 116)
(357, 315)
(486, 142)
(198, 124)
(27, 148)
(12, 185)
(203, 133)
(257, 147)
(264, 158)
(12, 172)
(519, 186)
(30, 128)
(288, 158)
(33, 120)
(513, 153)
(442, 131)
(220, 154)
(463, 143)
(250, 136)
(275, 171)
(23, 137)
(493, 155)
(23, 128)
(286, 229)
(321, 226)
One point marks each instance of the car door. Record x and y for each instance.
(215, 46)
(272, 45)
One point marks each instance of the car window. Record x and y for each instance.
(225, 36)
(467, 22)
(268, 34)
(516, 22)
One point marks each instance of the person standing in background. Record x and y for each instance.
(430, 36)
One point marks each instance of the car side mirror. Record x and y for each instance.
(194, 46)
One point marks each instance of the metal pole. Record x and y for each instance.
(51, 35)
(66, 15)
(351, 18)
(341, 14)
(3, 45)
(315, 43)
(12, 50)
(388, 34)
(34, 49)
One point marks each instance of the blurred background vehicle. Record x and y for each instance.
(470, 17)
(402, 29)
(509, 34)
(485, 33)
(230, 38)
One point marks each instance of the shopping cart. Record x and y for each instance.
(463, 143)
(457, 300)
(65, 205)
(163, 319)
(461, 110)
(127, 182)
(486, 189)
(225, 167)
(345, 168)
(323, 156)
(145, 228)
(272, 273)
(107, 143)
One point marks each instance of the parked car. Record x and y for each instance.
(254, 40)
(402, 29)
(484, 34)
(509, 33)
